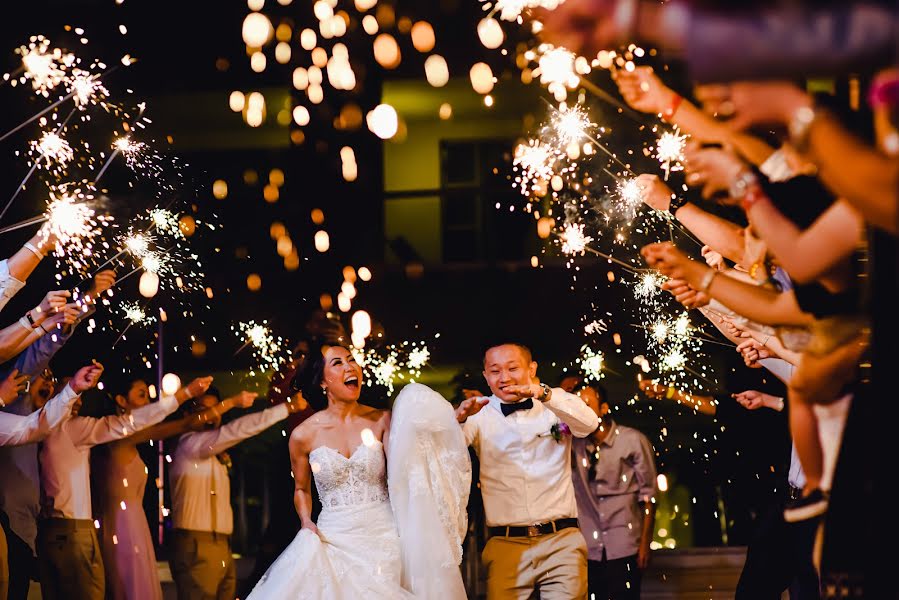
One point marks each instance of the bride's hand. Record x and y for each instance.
(469, 407)
(311, 527)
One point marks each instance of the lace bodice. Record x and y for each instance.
(359, 479)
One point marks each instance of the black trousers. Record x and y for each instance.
(616, 579)
(779, 558)
(22, 563)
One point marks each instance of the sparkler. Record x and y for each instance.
(72, 221)
(630, 197)
(574, 241)
(648, 285)
(591, 363)
(596, 327)
(556, 69)
(268, 349)
(571, 124)
(510, 10)
(391, 364)
(670, 151)
(43, 67)
(165, 221)
(86, 89)
(137, 244)
(535, 162)
(52, 148)
(136, 316)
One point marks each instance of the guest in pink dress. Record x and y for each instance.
(125, 539)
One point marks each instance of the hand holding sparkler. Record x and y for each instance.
(715, 169)
(752, 400)
(588, 26)
(52, 302)
(653, 389)
(685, 294)
(194, 389)
(712, 258)
(671, 262)
(86, 377)
(244, 399)
(655, 192)
(749, 103)
(62, 319)
(753, 352)
(644, 91)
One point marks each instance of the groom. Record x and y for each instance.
(525, 455)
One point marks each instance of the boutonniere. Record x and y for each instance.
(558, 431)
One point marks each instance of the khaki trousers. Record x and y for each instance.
(202, 565)
(555, 564)
(69, 560)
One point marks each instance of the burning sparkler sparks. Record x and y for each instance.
(72, 222)
(165, 221)
(392, 364)
(630, 197)
(571, 124)
(138, 244)
(268, 349)
(53, 149)
(556, 69)
(136, 314)
(591, 363)
(596, 327)
(673, 361)
(43, 67)
(574, 240)
(510, 10)
(670, 151)
(535, 163)
(648, 285)
(154, 262)
(86, 89)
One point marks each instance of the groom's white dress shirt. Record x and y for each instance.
(525, 473)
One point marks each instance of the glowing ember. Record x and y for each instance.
(154, 262)
(574, 241)
(418, 358)
(660, 331)
(591, 363)
(596, 327)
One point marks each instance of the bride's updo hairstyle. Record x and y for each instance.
(311, 374)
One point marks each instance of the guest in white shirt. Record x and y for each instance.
(201, 561)
(522, 435)
(69, 557)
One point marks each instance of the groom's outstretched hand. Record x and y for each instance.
(469, 407)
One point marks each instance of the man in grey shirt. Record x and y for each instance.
(614, 482)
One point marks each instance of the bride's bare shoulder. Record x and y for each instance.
(375, 415)
(303, 434)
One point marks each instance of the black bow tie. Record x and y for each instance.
(511, 407)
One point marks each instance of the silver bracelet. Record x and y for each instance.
(31, 247)
(707, 280)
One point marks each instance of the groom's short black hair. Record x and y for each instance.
(505, 342)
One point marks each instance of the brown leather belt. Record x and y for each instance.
(533, 530)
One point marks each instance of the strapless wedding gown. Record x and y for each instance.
(358, 553)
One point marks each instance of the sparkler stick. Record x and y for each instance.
(118, 147)
(54, 105)
(691, 337)
(610, 258)
(604, 95)
(25, 223)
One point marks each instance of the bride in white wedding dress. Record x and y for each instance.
(368, 543)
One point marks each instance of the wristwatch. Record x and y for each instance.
(676, 204)
(742, 184)
(547, 392)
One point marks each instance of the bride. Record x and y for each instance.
(368, 543)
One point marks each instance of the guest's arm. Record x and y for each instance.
(16, 430)
(572, 411)
(203, 444)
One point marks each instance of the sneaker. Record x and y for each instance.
(807, 507)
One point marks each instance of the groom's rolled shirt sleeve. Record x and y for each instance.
(572, 411)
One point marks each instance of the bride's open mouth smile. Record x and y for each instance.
(351, 382)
